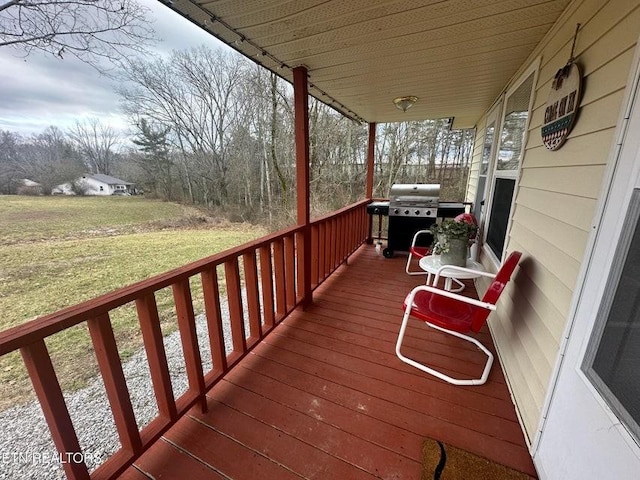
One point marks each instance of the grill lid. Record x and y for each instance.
(414, 194)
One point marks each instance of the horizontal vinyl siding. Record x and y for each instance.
(476, 158)
(557, 196)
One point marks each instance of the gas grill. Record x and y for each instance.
(412, 207)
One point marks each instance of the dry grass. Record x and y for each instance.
(56, 252)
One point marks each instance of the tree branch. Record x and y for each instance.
(90, 30)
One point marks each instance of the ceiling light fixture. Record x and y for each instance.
(405, 103)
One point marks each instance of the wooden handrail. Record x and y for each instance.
(348, 208)
(271, 277)
(22, 335)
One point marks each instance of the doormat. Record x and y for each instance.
(444, 462)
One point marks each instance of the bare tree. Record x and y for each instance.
(196, 94)
(50, 159)
(10, 170)
(47, 158)
(97, 144)
(90, 30)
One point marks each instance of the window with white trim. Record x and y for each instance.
(488, 152)
(513, 134)
(611, 360)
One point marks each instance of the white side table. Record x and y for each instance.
(431, 264)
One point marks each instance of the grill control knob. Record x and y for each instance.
(417, 212)
(406, 212)
(396, 211)
(428, 213)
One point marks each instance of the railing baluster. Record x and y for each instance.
(349, 238)
(156, 356)
(189, 339)
(279, 272)
(343, 238)
(211, 294)
(354, 225)
(110, 364)
(298, 257)
(253, 301)
(357, 232)
(350, 227)
(315, 255)
(334, 233)
(45, 383)
(339, 230)
(234, 299)
(266, 277)
(328, 233)
(322, 243)
(290, 272)
(305, 259)
(336, 243)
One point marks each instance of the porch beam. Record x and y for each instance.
(371, 150)
(301, 109)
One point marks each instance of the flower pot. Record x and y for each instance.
(456, 253)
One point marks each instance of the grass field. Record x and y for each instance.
(59, 251)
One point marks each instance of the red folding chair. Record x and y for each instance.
(417, 252)
(456, 315)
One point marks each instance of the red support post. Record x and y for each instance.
(371, 150)
(301, 109)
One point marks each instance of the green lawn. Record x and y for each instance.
(59, 251)
(27, 219)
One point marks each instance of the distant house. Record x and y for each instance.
(28, 187)
(95, 184)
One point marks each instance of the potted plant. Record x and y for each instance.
(452, 237)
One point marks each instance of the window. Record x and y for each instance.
(488, 149)
(499, 218)
(611, 362)
(515, 121)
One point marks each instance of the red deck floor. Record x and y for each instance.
(324, 396)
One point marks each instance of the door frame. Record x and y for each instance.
(621, 175)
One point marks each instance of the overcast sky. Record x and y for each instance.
(43, 90)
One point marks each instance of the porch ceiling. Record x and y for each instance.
(455, 55)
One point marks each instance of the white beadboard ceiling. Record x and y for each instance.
(455, 55)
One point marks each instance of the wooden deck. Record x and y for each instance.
(324, 396)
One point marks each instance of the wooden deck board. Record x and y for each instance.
(333, 451)
(324, 396)
(132, 473)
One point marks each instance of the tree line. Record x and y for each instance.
(211, 128)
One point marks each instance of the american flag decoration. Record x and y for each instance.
(562, 103)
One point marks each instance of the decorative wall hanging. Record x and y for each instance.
(562, 104)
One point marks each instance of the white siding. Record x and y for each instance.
(557, 195)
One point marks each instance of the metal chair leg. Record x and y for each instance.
(435, 373)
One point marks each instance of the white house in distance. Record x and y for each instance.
(95, 184)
